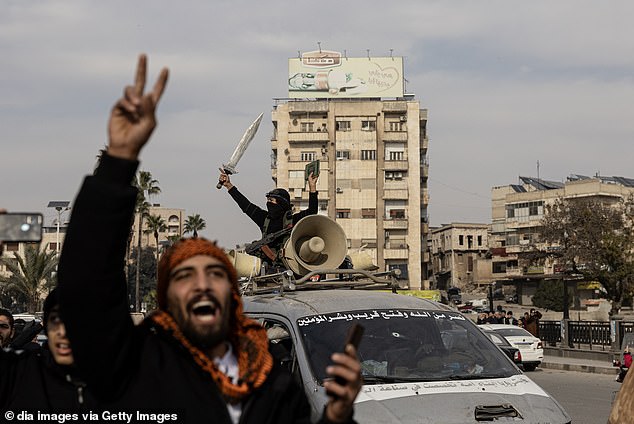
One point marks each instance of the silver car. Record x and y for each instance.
(422, 362)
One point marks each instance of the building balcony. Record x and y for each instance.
(395, 106)
(395, 253)
(514, 272)
(389, 136)
(308, 137)
(426, 257)
(395, 194)
(424, 170)
(425, 144)
(396, 165)
(310, 106)
(395, 224)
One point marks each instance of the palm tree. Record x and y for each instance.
(155, 225)
(148, 187)
(193, 224)
(30, 274)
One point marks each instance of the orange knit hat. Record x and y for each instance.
(182, 250)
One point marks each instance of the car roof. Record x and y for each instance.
(296, 304)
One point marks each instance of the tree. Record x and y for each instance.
(193, 224)
(148, 187)
(594, 240)
(549, 295)
(30, 275)
(145, 263)
(155, 225)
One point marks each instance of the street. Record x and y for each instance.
(586, 397)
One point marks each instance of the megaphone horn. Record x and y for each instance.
(316, 242)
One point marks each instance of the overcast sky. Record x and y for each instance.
(507, 84)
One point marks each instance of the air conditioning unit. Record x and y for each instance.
(403, 118)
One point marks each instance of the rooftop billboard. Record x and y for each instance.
(327, 74)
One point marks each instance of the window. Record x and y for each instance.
(343, 125)
(396, 126)
(13, 246)
(308, 156)
(368, 154)
(343, 154)
(295, 174)
(470, 264)
(394, 175)
(396, 156)
(461, 240)
(323, 206)
(368, 125)
(306, 126)
(368, 213)
(479, 240)
(397, 213)
(343, 213)
(173, 218)
(52, 246)
(499, 267)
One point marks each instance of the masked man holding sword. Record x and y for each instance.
(276, 221)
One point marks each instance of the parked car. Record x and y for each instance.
(512, 298)
(422, 362)
(512, 352)
(530, 346)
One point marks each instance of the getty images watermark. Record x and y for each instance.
(95, 417)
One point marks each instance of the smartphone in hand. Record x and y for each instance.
(355, 333)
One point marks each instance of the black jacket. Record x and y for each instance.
(258, 215)
(32, 381)
(140, 368)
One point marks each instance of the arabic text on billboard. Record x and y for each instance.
(327, 74)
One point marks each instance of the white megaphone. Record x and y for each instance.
(316, 242)
(245, 265)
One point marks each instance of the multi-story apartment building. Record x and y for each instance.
(459, 256)
(517, 210)
(374, 168)
(174, 220)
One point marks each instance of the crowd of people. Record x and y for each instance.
(529, 321)
(196, 359)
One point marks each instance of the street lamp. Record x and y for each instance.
(60, 206)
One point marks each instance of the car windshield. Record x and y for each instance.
(406, 345)
(513, 332)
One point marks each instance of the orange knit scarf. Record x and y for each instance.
(250, 345)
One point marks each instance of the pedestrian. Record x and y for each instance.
(277, 217)
(625, 364)
(6, 326)
(532, 322)
(510, 319)
(198, 358)
(44, 380)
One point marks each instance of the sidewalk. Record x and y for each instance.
(577, 364)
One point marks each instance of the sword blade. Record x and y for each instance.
(242, 145)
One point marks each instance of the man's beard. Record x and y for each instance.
(207, 337)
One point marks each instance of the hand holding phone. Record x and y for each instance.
(355, 332)
(21, 227)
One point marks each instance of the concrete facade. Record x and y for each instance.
(517, 210)
(459, 256)
(174, 220)
(373, 173)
